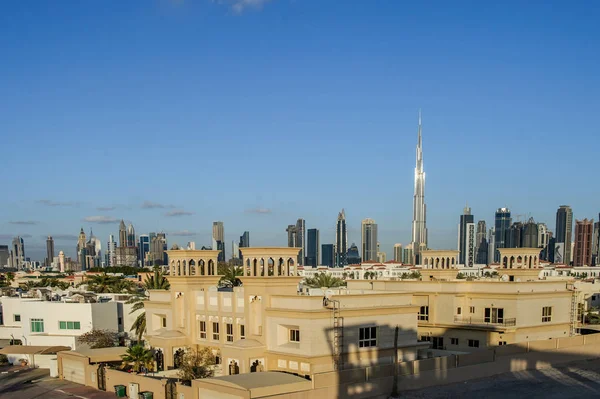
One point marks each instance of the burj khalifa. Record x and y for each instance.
(419, 224)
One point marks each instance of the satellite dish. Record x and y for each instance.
(504, 277)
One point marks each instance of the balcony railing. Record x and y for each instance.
(487, 321)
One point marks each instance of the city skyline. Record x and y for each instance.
(485, 105)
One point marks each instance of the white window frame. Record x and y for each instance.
(294, 335)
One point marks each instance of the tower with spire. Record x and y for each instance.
(419, 224)
(341, 240)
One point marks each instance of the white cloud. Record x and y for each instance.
(24, 222)
(100, 219)
(179, 212)
(182, 233)
(48, 202)
(239, 6)
(259, 211)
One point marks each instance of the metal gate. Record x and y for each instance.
(171, 389)
(102, 377)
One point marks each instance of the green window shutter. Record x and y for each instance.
(62, 325)
(77, 325)
(69, 325)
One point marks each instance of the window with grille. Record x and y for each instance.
(367, 337)
(546, 314)
(474, 343)
(294, 335)
(229, 331)
(17, 317)
(453, 341)
(37, 325)
(472, 309)
(424, 313)
(202, 330)
(215, 331)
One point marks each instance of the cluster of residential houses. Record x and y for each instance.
(272, 323)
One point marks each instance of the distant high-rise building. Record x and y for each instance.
(398, 253)
(49, 250)
(542, 240)
(81, 241)
(312, 248)
(515, 236)
(381, 257)
(158, 250)
(596, 244)
(481, 248)
(584, 232)
(235, 250)
(126, 253)
(492, 246)
(4, 255)
(341, 240)
(419, 224)
(122, 234)
(408, 254)
(369, 240)
(551, 247)
(563, 234)
(352, 256)
(327, 255)
(291, 235)
(244, 242)
(466, 244)
(130, 236)
(18, 253)
(301, 239)
(530, 235)
(143, 248)
(219, 239)
(502, 223)
(111, 251)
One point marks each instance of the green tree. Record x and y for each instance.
(324, 280)
(99, 338)
(139, 324)
(137, 356)
(10, 277)
(461, 276)
(231, 276)
(196, 364)
(157, 281)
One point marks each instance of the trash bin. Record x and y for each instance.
(145, 395)
(120, 391)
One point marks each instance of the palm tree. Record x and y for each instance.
(137, 356)
(101, 283)
(324, 280)
(158, 281)
(155, 282)
(230, 276)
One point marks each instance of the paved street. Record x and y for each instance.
(577, 380)
(36, 383)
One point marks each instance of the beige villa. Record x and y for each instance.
(267, 325)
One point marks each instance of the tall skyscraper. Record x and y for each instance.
(352, 256)
(419, 224)
(515, 236)
(291, 235)
(81, 241)
(530, 235)
(122, 234)
(312, 248)
(158, 248)
(564, 228)
(369, 240)
(244, 242)
(4, 255)
(502, 223)
(18, 253)
(49, 251)
(398, 253)
(219, 240)
(408, 254)
(235, 251)
(341, 240)
(466, 244)
(111, 251)
(492, 246)
(327, 255)
(584, 233)
(130, 236)
(595, 244)
(143, 248)
(301, 239)
(481, 249)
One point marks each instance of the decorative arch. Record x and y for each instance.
(192, 266)
(270, 267)
(211, 267)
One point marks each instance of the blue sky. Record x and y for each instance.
(259, 112)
